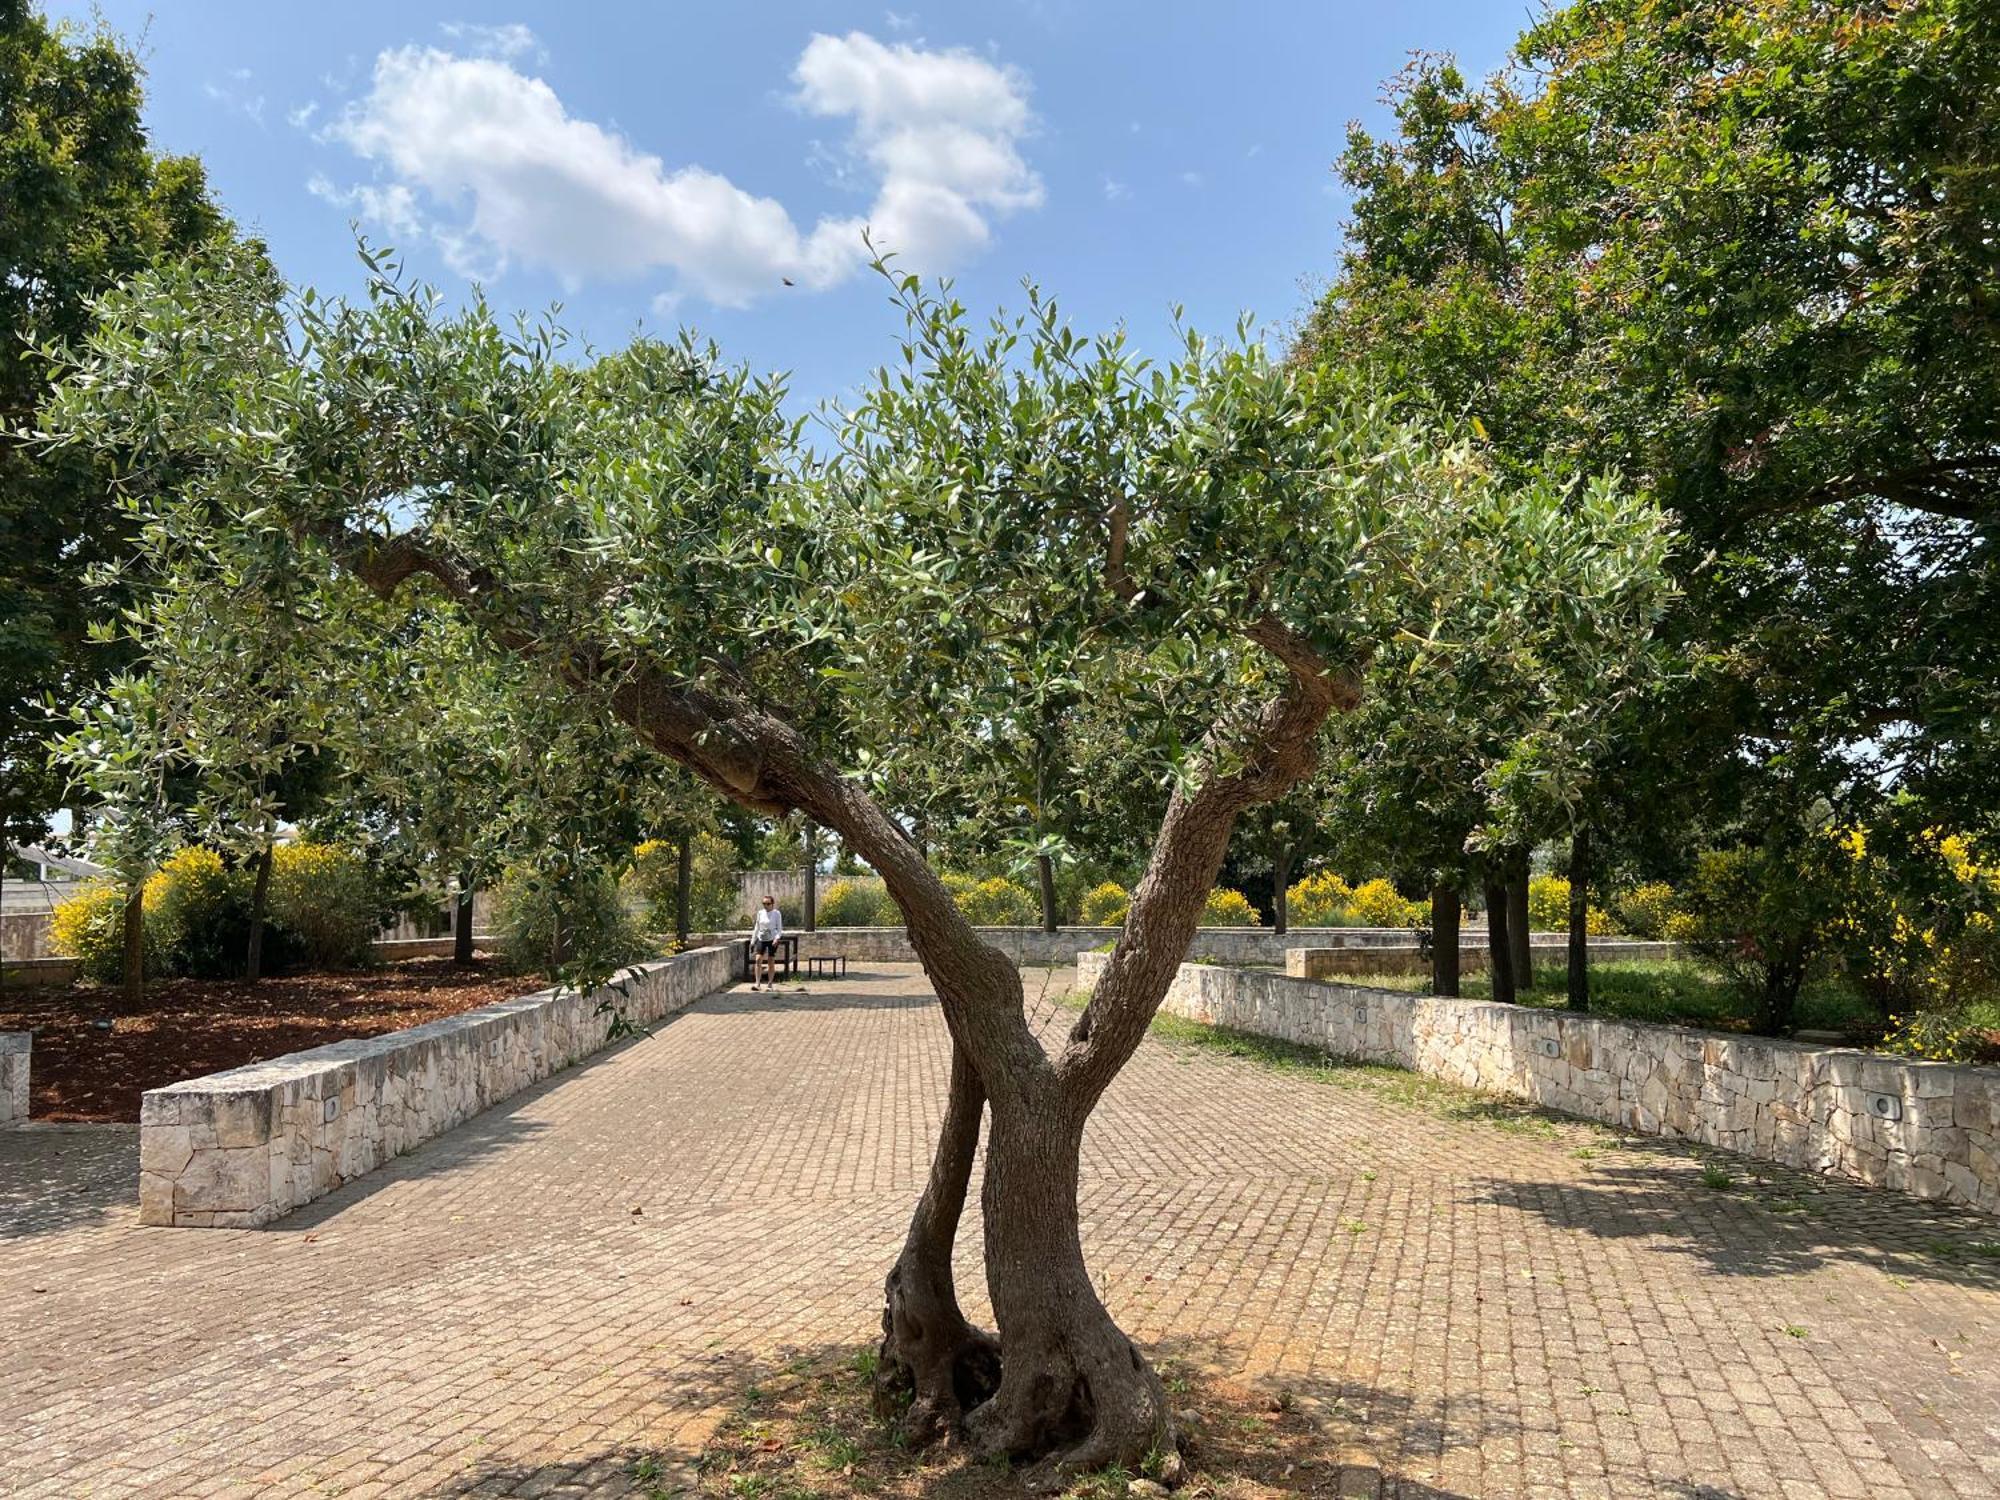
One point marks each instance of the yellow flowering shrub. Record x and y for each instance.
(323, 898)
(1645, 909)
(1106, 905)
(857, 903)
(1319, 900)
(1228, 908)
(90, 928)
(1548, 908)
(997, 902)
(1376, 903)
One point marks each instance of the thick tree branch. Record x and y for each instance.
(760, 761)
(1279, 750)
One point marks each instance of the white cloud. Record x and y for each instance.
(509, 40)
(488, 163)
(301, 118)
(900, 20)
(1116, 191)
(237, 96)
(1193, 179)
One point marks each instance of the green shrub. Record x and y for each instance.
(857, 903)
(204, 915)
(653, 880)
(323, 903)
(1227, 908)
(996, 902)
(597, 932)
(1644, 909)
(90, 928)
(1319, 900)
(1105, 905)
(1376, 903)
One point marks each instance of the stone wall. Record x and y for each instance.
(243, 1147)
(15, 1056)
(1034, 947)
(1408, 958)
(1930, 1129)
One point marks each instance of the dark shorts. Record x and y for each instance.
(768, 946)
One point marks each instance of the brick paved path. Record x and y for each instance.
(512, 1308)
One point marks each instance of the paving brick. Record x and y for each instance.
(591, 1268)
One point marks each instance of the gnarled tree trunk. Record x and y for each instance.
(260, 901)
(1072, 1389)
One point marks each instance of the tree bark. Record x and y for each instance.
(461, 922)
(1046, 869)
(1499, 951)
(1579, 918)
(260, 900)
(812, 877)
(135, 944)
(683, 888)
(1072, 1387)
(934, 1366)
(1281, 874)
(1444, 939)
(1519, 927)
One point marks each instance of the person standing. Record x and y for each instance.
(765, 930)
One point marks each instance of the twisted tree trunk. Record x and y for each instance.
(1072, 1390)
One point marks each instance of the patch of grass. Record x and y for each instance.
(1960, 1251)
(1794, 1331)
(1716, 1178)
(1395, 1085)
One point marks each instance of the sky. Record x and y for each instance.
(653, 166)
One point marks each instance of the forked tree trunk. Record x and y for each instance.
(135, 944)
(1444, 939)
(1579, 919)
(1499, 950)
(260, 901)
(1072, 1390)
(461, 922)
(1046, 869)
(1519, 927)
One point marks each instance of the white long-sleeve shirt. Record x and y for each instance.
(768, 926)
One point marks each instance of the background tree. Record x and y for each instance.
(1228, 536)
(84, 202)
(1743, 251)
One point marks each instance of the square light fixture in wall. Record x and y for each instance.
(1885, 1106)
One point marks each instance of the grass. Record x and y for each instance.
(1675, 992)
(1394, 1085)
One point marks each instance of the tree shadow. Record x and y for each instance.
(814, 995)
(59, 1177)
(1743, 1217)
(797, 1422)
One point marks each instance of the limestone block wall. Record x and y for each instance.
(243, 1147)
(14, 1058)
(1032, 946)
(1930, 1129)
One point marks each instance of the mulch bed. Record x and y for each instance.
(86, 1070)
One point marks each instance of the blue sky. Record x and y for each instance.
(654, 165)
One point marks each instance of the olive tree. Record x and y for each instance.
(1218, 543)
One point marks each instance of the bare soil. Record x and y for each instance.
(94, 1056)
(807, 1432)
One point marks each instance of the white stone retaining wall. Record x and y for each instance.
(245, 1146)
(1930, 1129)
(1032, 946)
(14, 1058)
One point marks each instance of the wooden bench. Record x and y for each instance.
(787, 957)
(829, 965)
